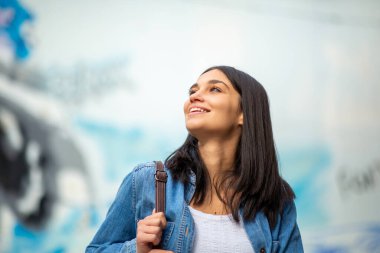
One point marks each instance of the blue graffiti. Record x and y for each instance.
(371, 238)
(13, 17)
(122, 149)
(333, 249)
(118, 146)
(56, 239)
(312, 161)
(356, 237)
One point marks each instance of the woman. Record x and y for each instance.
(224, 192)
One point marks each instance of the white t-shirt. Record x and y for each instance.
(219, 233)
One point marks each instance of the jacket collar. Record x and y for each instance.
(190, 188)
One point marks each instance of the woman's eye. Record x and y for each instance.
(215, 89)
(191, 92)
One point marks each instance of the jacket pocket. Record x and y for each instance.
(167, 234)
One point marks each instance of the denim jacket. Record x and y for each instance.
(135, 200)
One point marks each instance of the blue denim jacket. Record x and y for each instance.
(135, 200)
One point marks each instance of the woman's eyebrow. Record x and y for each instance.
(195, 85)
(215, 81)
(212, 81)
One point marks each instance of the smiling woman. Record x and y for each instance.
(224, 192)
(213, 107)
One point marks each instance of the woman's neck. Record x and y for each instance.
(218, 155)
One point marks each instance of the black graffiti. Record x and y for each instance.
(366, 180)
(32, 152)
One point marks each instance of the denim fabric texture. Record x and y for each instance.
(135, 200)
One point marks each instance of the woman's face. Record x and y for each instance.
(213, 107)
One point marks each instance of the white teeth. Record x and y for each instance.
(197, 109)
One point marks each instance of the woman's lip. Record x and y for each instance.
(197, 112)
(198, 109)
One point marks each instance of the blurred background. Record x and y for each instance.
(89, 89)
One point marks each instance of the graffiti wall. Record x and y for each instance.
(89, 89)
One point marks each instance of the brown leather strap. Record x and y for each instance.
(161, 178)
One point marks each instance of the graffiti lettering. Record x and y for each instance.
(360, 182)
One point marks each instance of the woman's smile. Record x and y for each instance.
(196, 109)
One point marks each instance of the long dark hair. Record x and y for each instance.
(255, 183)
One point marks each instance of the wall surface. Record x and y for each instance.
(89, 89)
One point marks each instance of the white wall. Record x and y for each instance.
(132, 63)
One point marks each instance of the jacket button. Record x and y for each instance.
(262, 250)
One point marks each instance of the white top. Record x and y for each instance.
(219, 233)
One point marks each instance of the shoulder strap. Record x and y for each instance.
(161, 178)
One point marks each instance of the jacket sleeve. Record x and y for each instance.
(118, 231)
(289, 237)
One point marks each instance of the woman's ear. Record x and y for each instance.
(241, 119)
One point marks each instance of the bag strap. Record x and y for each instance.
(161, 177)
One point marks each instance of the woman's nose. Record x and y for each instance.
(196, 96)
